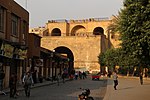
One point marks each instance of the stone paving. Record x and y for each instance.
(97, 90)
(129, 88)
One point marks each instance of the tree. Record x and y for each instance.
(109, 58)
(112, 27)
(134, 26)
(101, 59)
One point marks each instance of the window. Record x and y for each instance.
(1, 19)
(14, 25)
(24, 32)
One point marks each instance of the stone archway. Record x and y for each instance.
(56, 32)
(78, 30)
(67, 52)
(98, 31)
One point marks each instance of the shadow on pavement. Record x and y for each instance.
(146, 83)
(126, 88)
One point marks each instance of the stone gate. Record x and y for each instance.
(80, 40)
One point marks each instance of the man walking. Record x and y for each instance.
(28, 81)
(115, 78)
(141, 78)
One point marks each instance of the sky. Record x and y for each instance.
(40, 11)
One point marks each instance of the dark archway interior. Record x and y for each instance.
(98, 31)
(56, 32)
(68, 52)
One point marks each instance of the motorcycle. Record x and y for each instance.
(85, 95)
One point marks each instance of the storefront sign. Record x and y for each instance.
(22, 54)
(7, 50)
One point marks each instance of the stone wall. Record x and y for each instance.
(85, 49)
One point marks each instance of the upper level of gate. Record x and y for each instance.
(92, 26)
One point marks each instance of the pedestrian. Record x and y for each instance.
(115, 78)
(2, 76)
(58, 78)
(84, 75)
(63, 77)
(28, 81)
(13, 85)
(141, 78)
(80, 74)
(34, 76)
(76, 75)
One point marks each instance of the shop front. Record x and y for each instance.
(11, 60)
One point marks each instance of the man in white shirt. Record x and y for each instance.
(115, 78)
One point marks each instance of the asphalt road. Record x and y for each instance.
(65, 91)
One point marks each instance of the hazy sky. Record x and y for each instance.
(40, 11)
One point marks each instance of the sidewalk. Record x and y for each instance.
(44, 83)
(129, 88)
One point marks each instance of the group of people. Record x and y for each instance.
(27, 82)
(81, 75)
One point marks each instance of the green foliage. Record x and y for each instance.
(112, 28)
(109, 58)
(101, 59)
(117, 57)
(134, 26)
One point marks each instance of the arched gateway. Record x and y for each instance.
(66, 52)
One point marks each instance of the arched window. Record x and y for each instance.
(98, 31)
(56, 32)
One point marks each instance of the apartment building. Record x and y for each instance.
(14, 26)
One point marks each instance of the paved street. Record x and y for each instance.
(128, 89)
(67, 91)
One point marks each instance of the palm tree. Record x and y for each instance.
(112, 28)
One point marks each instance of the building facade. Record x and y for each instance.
(80, 40)
(14, 26)
(43, 62)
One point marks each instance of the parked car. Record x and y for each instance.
(96, 76)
